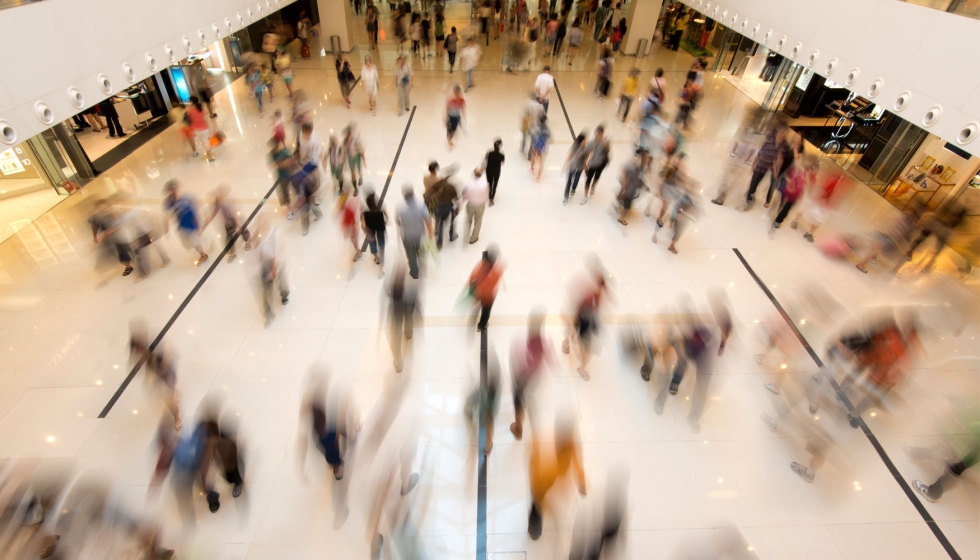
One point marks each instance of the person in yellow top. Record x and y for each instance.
(630, 87)
(549, 463)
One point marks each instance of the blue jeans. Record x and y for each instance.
(258, 97)
(544, 103)
(377, 245)
(572, 183)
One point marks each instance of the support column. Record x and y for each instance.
(335, 19)
(640, 24)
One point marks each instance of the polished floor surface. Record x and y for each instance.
(65, 347)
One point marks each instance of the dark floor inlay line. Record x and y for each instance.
(889, 464)
(562, 103)
(481, 496)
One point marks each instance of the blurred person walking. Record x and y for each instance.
(229, 220)
(632, 181)
(540, 140)
(272, 273)
(596, 159)
(375, 220)
(404, 81)
(631, 87)
(767, 160)
(475, 194)
(585, 298)
(335, 160)
(574, 165)
(543, 85)
(548, 465)
(285, 165)
(345, 76)
(693, 342)
(350, 209)
(414, 221)
(791, 188)
(604, 68)
(492, 163)
(369, 79)
(482, 284)
(354, 154)
(402, 306)
(199, 130)
(455, 113)
(469, 59)
(443, 196)
(452, 44)
(182, 208)
(575, 36)
(533, 111)
(528, 355)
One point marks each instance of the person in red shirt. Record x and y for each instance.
(455, 112)
(482, 284)
(528, 355)
(586, 297)
(823, 198)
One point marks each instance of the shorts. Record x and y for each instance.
(189, 238)
(815, 214)
(453, 123)
(354, 163)
(330, 449)
(203, 136)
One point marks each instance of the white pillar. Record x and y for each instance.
(640, 24)
(335, 19)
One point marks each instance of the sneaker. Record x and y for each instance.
(658, 408)
(794, 224)
(285, 300)
(769, 421)
(714, 201)
(269, 320)
(772, 387)
(805, 473)
(236, 491)
(584, 200)
(127, 271)
(673, 388)
(231, 258)
(290, 215)
(357, 256)
(491, 203)
(923, 490)
(759, 358)
(248, 246)
(808, 236)
(813, 409)
(776, 225)
(196, 154)
(564, 202)
(201, 260)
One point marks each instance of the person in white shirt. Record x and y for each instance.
(476, 193)
(469, 59)
(543, 86)
(369, 79)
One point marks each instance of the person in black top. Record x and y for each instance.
(788, 151)
(106, 107)
(374, 231)
(492, 163)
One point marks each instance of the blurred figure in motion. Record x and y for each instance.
(285, 165)
(482, 284)
(692, 341)
(109, 233)
(966, 456)
(395, 510)
(743, 152)
(193, 457)
(482, 404)
(88, 520)
(145, 231)
(182, 208)
(443, 196)
(476, 193)
(402, 306)
(228, 219)
(767, 160)
(574, 165)
(632, 181)
(779, 347)
(589, 542)
(822, 198)
(159, 366)
(492, 163)
(271, 271)
(334, 425)
(375, 221)
(596, 159)
(891, 236)
(334, 160)
(550, 463)
(540, 141)
(528, 355)
(456, 109)
(354, 154)
(792, 186)
(939, 224)
(885, 354)
(678, 195)
(585, 297)
(350, 209)
(414, 221)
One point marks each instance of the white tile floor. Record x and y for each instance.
(64, 350)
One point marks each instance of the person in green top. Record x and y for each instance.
(283, 161)
(440, 32)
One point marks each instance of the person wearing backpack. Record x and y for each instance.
(603, 72)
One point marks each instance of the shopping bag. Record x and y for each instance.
(381, 34)
(217, 139)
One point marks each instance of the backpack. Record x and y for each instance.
(189, 451)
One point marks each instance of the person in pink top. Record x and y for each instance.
(198, 128)
(528, 355)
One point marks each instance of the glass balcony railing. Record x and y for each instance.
(968, 8)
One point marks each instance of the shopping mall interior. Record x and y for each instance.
(662, 370)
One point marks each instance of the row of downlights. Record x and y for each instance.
(44, 113)
(931, 117)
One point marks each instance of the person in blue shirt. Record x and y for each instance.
(182, 208)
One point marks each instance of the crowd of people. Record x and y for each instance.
(863, 363)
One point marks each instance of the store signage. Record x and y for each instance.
(11, 163)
